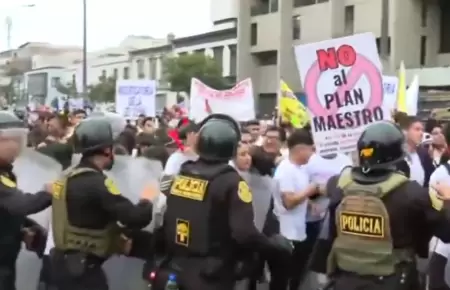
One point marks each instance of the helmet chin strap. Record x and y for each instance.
(365, 170)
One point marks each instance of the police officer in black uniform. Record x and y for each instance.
(379, 219)
(87, 211)
(209, 217)
(15, 205)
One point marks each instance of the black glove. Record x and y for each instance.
(281, 245)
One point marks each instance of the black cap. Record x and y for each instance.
(381, 146)
(218, 138)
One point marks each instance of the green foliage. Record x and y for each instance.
(179, 71)
(104, 90)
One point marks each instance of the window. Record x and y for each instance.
(300, 3)
(267, 58)
(445, 24)
(140, 68)
(423, 50)
(349, 20)
(218, 56)
(424, 13)
(296, 27)
(233, 60)
(152, 62)
(55, 82)
(379, 44)
(126, 73)
(116, 73)
(254, 34)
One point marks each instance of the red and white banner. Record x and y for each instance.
(237, 102)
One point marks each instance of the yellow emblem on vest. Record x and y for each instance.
(182, 232)
(362, 224)
(111, 187)
(57, 188)
(436, 203)
(7, 181)
(188, 187)
(367, 152)
(244, 192)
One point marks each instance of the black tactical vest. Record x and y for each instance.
(188, 228)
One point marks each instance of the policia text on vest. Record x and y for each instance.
(359, 224)
(190, 188)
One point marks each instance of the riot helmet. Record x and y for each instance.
(218, 138)
(381, 146)
(96, 133)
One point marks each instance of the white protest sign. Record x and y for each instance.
(344, 87)
(135, 97)
(236, 102)
(390, 89)
(76, 103)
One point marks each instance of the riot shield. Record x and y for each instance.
(131, 175)
(262, 188)
(33, 171)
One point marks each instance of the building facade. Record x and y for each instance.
(268, 29)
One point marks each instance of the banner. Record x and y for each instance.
(237, 102)
(291, 109)
(344, 88)
(135, 97)
(390, 89)
(401, 94)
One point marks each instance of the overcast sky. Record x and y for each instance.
(109, 21)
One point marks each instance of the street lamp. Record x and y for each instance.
(84, 49)
(8, 22)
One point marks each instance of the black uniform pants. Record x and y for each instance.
(8, 278)
(191, 278)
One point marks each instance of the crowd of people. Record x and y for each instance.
(245, 201)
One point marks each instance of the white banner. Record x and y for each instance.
(390, 88)
(237, 102)
(343, 83)
(135, 97)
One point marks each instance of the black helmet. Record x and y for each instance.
(381, 146)
(218, 138)
(93, 134)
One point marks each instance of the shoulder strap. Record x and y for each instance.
(345, 179)
(394, 181)
(77, 171)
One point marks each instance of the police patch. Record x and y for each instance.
(361, 224)
(244, 192)
(367, 152)
(188, 187)
(57, 188)
(111, 187)
(182, 232)
(7, 181)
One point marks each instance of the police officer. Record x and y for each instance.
(87, 211)
(209, 216)
(14, 204)
(379, 220)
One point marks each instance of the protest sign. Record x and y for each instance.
(291, 109)
(390, 88)
(344, 89)
(236, 102)
(135, 97)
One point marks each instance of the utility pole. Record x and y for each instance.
(384, 37)
(84, 49)
(8, 23)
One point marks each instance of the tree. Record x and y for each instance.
(179, 71)
(104, 91)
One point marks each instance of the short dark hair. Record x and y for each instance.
(408, 121)
(299, 136)
(146, 119)
(281, 132)
(158, 153)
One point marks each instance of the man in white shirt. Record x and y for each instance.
(292, 202)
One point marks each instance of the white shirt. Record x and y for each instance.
(175, 161)
(416, 169)
(321, 169)
(291, 178)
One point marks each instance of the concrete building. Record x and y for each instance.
(267, 30)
